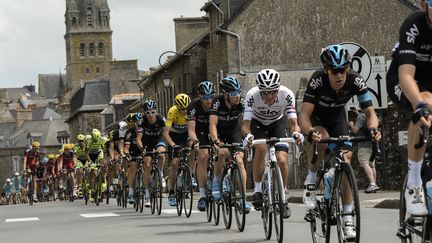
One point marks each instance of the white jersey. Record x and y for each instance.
(256, 108)
(123, 127)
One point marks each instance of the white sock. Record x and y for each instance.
(373, 184)
(257, 186)
(414, 174)
(311, 177)
(147, 193)
(347, 208)
(131, 191)
(202, 191)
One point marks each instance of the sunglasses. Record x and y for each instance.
(339, 70)
(208, 96)
(235, 93)
(80, 141)
(272, 92)
(150, 112)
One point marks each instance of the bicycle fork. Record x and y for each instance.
(271, 162)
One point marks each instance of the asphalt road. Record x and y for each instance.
(76, 222)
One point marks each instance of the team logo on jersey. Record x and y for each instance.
(289, 100)
(412, 34)
(192, 112)
(315, 83)
(216, 105)
(359, 82)
(250, 102)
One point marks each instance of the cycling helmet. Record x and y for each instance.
(205, 88)
(51, 156)
(182, 101)
(35, 144)
(16, 174)
(88, 137)
(149, 105)
(8, 180)
(80, 137)
(96, 134)
(229, 84)
(268, 79)
(45, 160)
(335, 57)
(129, 118)
(68, 146)
(138, 117)
(57, 155)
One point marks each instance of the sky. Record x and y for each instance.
(32, 42)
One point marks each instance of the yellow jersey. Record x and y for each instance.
(176, 120)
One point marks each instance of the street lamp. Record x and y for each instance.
(166, 78)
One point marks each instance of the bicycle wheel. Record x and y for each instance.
(278, 203)
(125, 191)
(30, 192)
(156, 191)
(187, 191)
(238, 195)
(107, 192)
(98, 189)
(179, 193)
(267, 210)
(319, 217)
(346, 174)
(138, 193)
(70, 189)
(225, 191)
(427, 229)
(85, 191)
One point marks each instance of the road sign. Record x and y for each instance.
(361, 61)
(373, 72)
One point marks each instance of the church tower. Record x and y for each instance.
(88, 41)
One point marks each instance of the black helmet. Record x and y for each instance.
(149, 105)
(229, 84)
(335, 57)
(205, 88)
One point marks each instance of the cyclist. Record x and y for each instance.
(50, 171)
(323, 115)
(94, 153)
(30, 160)
(198, 130)
(149, 137)
(408, 81)
(131, 148)
(79, 150)
(68, 160)
(18, 184)
(8, 189)
(225, 113)
(175, 133)
(265, 106)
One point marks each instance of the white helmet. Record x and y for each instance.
(8, 180)
(16, 174)
(268, 79)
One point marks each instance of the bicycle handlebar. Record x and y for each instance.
(273, 141)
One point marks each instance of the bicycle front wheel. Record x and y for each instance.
(239, 198)
(179, 193)
(156, 192)
(225, 191)
(319, 217)
(209, 196)
(187, 191)
(278, 203)
(267, 209)
(98, 189)
(346, 186)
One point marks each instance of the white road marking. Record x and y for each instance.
(98, 215)
(21, 219)
(378, 200)
(174, 211)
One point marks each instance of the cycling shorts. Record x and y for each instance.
(275, 129)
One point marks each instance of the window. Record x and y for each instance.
(101, 49)
(87, 70)
(74, 21)
(91, 49)
(97, 70)
(82, 49)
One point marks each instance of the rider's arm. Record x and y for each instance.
(213, 127)
(304, 117)
(167, 136)
(294, 125)
(111, 149)
(246, 127)
(372, 119)
(191, 130)
(74, 160)
(139, 140)
(408, 84)
(25, 163)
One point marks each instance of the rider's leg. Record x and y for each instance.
(202, 170)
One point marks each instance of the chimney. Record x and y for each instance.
(30, 87)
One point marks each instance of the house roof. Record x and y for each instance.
(14, 94)
(45, 129)
(53, 85)
(44, 113)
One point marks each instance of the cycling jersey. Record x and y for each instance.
(414, 47)
(94, 147)
(130, 139)
(152, 130)
(227, 117)
(197, 113)
(67, 158)
(122, 129)
(80, 153)
(176, 120)
(328, 103)
(266, 114)
(32, 158)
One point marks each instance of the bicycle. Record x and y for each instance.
(329, 210)
(30, 186)
(69, 184)
(155, 186)
(98, 183)
(272, 189)
(121, 190)
(417, 228)
(85, 184)
(183, 184)
(139, 185)
(232, 190)
(213, 208)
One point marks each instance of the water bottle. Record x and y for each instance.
(429, 195)
(328, 182)
(227, 182)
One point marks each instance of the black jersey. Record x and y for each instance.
(414, 47)
(114, 135)
(153, 130)
(327, 102)
(130, 137)
(197, 113)
(227, 118)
